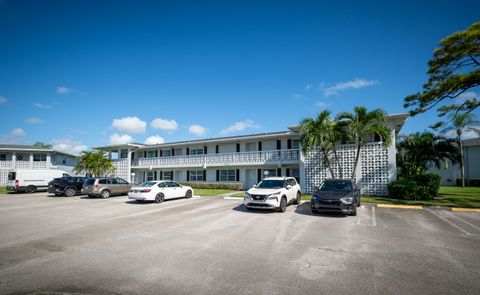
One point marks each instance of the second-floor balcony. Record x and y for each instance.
(24, 164)
(290, 156)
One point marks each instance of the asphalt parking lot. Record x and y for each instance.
(209, 245)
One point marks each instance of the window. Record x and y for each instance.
(295, 144)
(41, 157)
(227, 175)
(150, 154)
(291, 182)
(121, 181)
(102, 181)
(167, 153)
(113, 181)
(168, 175)
(271, 172)
(196, 151)
(3, 157)
(296, 174)
(172, 184)
(162, 184)
(124, 154)
(150, 176)
(196, 175)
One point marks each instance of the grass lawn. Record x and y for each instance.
(3, 190)
(210, 192)
(468, 197)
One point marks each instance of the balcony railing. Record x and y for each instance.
(23, 164)
(291, 156)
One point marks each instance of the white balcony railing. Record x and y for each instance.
(23, 164)
(6, 164)
(290, 156)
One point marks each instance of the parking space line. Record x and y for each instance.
(374, 217)
(399, 206)
(467, 222)
(448, 221)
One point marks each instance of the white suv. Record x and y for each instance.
(273, 193)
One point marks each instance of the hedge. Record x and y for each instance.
(418, 187)
(469, 182)
(236, 186)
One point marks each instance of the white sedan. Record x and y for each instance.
(159, 191)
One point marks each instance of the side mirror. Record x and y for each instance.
(289, 186)
(254, 186)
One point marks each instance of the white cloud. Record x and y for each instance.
(197, 130)
(353, 84)
(3, 100)
(17, 133)
(42, 106)
(321, 104)
(129, 125)
(69, 146)
(63, 90)
(120, 139)
(164, 124)
(33, 120)
(466, 133)
(156, 139)
(240, 126)
(308, 87)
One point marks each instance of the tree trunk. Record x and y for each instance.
(462, 169)
(327, 160)
(357, 157)
(340, 169)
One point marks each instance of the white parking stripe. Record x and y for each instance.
(374, 217)
(463, 220)
(449, 222)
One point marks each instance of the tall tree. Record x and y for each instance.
(41, 144)
(454, 69)
(362, 123)
(459, 124)
(417, 152)
(316, 132)
(94, 162)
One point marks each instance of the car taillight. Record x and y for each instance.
(145, 190)
(57, 183)
(95, 184)
(17, 183)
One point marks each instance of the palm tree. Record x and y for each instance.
(361, 123)
(416, 153)
(459, 124)
(95, 163)
(43, 145)
(316, 133)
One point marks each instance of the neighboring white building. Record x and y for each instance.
(245, 159)
(471, 157)
(14, 156)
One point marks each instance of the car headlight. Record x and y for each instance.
(247, 196)
(273, 196)
(347, 200)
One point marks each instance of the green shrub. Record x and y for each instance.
(236, 186)
(474, 182)
(430, 181)
(419, 187)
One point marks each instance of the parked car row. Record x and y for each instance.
(273, 193)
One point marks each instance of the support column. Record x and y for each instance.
(31, 160)
(49, 161)
(129, 165)
(14, 160)
(302, 172)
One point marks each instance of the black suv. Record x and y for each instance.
(68, 186)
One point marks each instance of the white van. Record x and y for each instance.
(31, 180)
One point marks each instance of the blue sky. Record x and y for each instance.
(71, 70)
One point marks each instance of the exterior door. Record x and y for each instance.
(250, 178)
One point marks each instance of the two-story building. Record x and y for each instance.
(249, 158)
(16, 156)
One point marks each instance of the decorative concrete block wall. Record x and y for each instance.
(121, 170)
(373, 173)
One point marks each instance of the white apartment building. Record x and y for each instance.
(246, 159)
(17, 156)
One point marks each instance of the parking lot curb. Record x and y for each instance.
(475, 210)
(399, 206)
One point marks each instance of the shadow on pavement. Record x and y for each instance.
(242, 208)
(304, 209)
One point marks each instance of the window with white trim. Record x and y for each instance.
(227, 175)
(196, 151)
(295, 144)
(124, 154)
(166, 153)
(150, 154)
(167, 175)
(271, 173)
(3, 157)
(196, 175)
(150, 176)
(39, 157)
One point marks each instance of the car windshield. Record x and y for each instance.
(336, 186)
(147, 184)
(268, 183)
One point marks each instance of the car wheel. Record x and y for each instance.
(159, 198)
(359, 202)
(283, 205)
(354, 211)
(30, 189)
(298, 199)
(105, 194)
(70, 192)
(188, 194)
